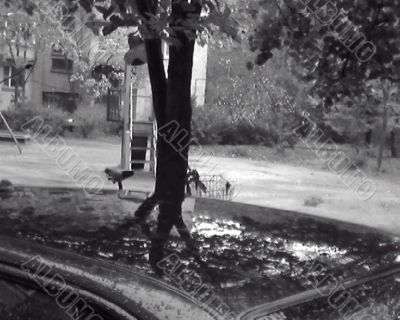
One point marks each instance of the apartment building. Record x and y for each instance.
(49, 80)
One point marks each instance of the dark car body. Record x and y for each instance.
(105, 290)
(255, 260)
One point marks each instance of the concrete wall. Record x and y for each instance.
(46, 80)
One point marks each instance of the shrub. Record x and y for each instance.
(113, 128)
(215, 125)
(17, 116)
(359, 160)
(208, 125)
(313, 201)
(86, 120)
(92, 122)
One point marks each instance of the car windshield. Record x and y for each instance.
(191, 159)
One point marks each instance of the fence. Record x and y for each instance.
(217, 188)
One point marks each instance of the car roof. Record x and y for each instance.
(123, 293)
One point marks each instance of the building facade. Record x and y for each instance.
(49, 84)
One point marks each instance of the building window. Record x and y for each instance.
(10, 73)
(60, 100)
(60, 63)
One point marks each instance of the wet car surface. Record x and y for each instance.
(247, 262)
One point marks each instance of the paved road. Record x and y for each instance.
(287, 187)
(40, 166)
(257, 182)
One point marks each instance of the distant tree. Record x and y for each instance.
(387, 95)
(341, 44)
(269, 95)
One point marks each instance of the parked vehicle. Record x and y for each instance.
(40, 283)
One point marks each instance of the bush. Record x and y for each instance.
(92, 122)
(208, 125)
(88, 122)
(313, 201)
(214, 125)
(18, 116)
(113, 128)
(359, 160)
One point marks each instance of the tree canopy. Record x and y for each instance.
(347, 50)
(341, 44)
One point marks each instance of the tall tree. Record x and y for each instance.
(342, 44)
(178, 23)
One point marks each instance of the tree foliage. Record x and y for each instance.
(323, 52)
(345, 48)
(270, 96)
(99, 69)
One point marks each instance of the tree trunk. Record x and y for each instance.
(19, 90)
(395, 143)
(16, 96)
(174, 148)
(172, 104)
(23, 93)
(368, 138)
(382, 142)
(91, 101)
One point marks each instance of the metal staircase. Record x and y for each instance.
(143, 145)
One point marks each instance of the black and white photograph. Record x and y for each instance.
(199, 159)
